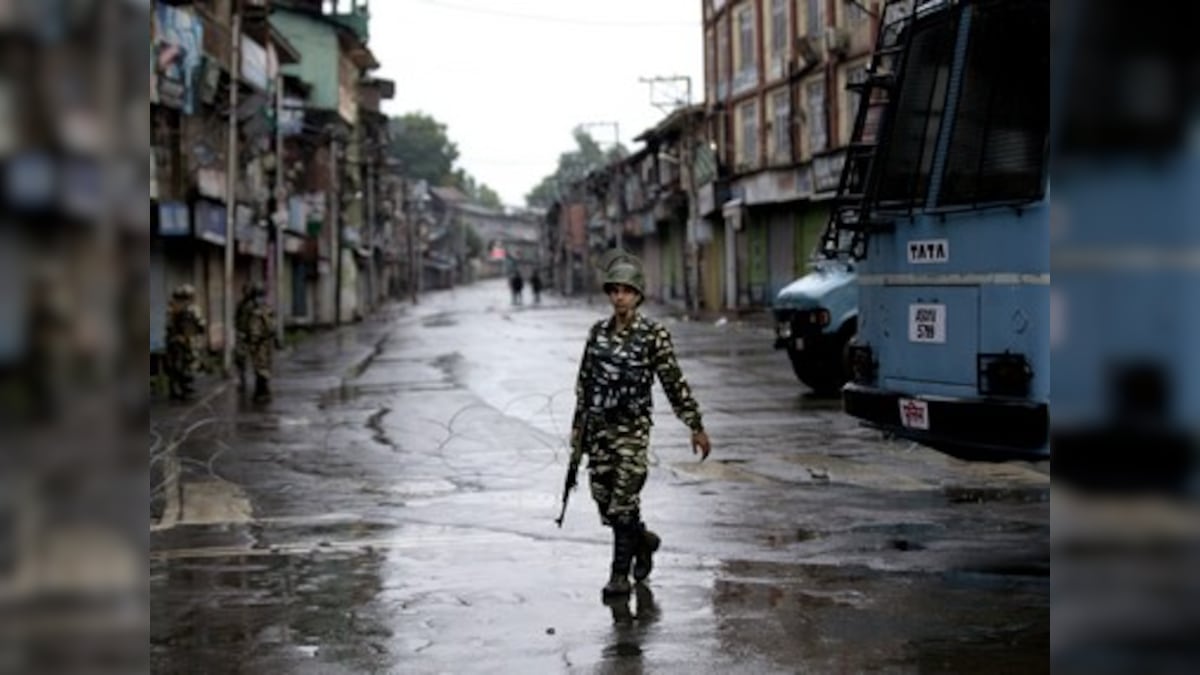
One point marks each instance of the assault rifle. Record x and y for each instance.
(572, 469)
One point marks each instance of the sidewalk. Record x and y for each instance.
(175, 426)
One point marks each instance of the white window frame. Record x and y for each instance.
(747, 132)
(852, 14)
(745, 59)
(855, 72)
(816, 117)
(777, 47)
(811, 6)
(781, 126)
(724, 56)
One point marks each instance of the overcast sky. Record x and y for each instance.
(512, 78)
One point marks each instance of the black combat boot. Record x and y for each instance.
(643, 560)
(624, 544)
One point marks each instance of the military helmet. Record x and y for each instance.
(622, 267)
(254, 289)
(185, 291)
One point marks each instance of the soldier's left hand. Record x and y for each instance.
(701, 444)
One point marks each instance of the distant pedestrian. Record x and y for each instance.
(517, 283)
(535, 283)
(185, 328)
(255, 323)
(623, 355)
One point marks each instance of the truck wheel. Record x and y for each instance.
(847, 371)
(820, 377)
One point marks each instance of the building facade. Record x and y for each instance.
(780, 116)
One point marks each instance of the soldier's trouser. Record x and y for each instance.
(178, 368)
(239, 362)
(617, 466)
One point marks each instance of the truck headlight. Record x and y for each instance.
(783, 329)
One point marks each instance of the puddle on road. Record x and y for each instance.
(997, 495)
(443, 320)
(269, 614)
(855, 619)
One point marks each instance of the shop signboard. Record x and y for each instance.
(173, 220)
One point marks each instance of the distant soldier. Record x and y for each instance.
(516, 283)
(185, 330)
(255, 325)
(535, 284)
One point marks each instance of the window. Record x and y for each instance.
(777, 38)
(854, 75)
(997, 149)
(818, 135)
(854, 12)
(814, 17)
(723, 55)
(745, 65)
(781, 127)
(747, 147)
(906, 156)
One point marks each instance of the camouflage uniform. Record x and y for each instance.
(185, 328)
(255, 326)
(613, 406)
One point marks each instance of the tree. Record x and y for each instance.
(573, 166)
(479, 192)
(426, 152)
(420, 142)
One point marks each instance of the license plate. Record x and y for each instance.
(799, 344)
(914, 414)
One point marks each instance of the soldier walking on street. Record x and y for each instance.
(185, 328)
(535, 284)
(612, 419)
(255, 324)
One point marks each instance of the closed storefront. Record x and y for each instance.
(809, 226)
(757, 262)
(781, 236)
(652, 264)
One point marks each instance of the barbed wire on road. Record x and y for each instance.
(558, 442)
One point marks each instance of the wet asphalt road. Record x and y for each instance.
(392, 511)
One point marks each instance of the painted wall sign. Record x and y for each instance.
(210, 221)
(173, 219)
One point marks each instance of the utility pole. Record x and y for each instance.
(414, 239)
(231, 162)
(692, 246)
(280, 216)
(335, 221)
(372, 278)
(409, 239)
